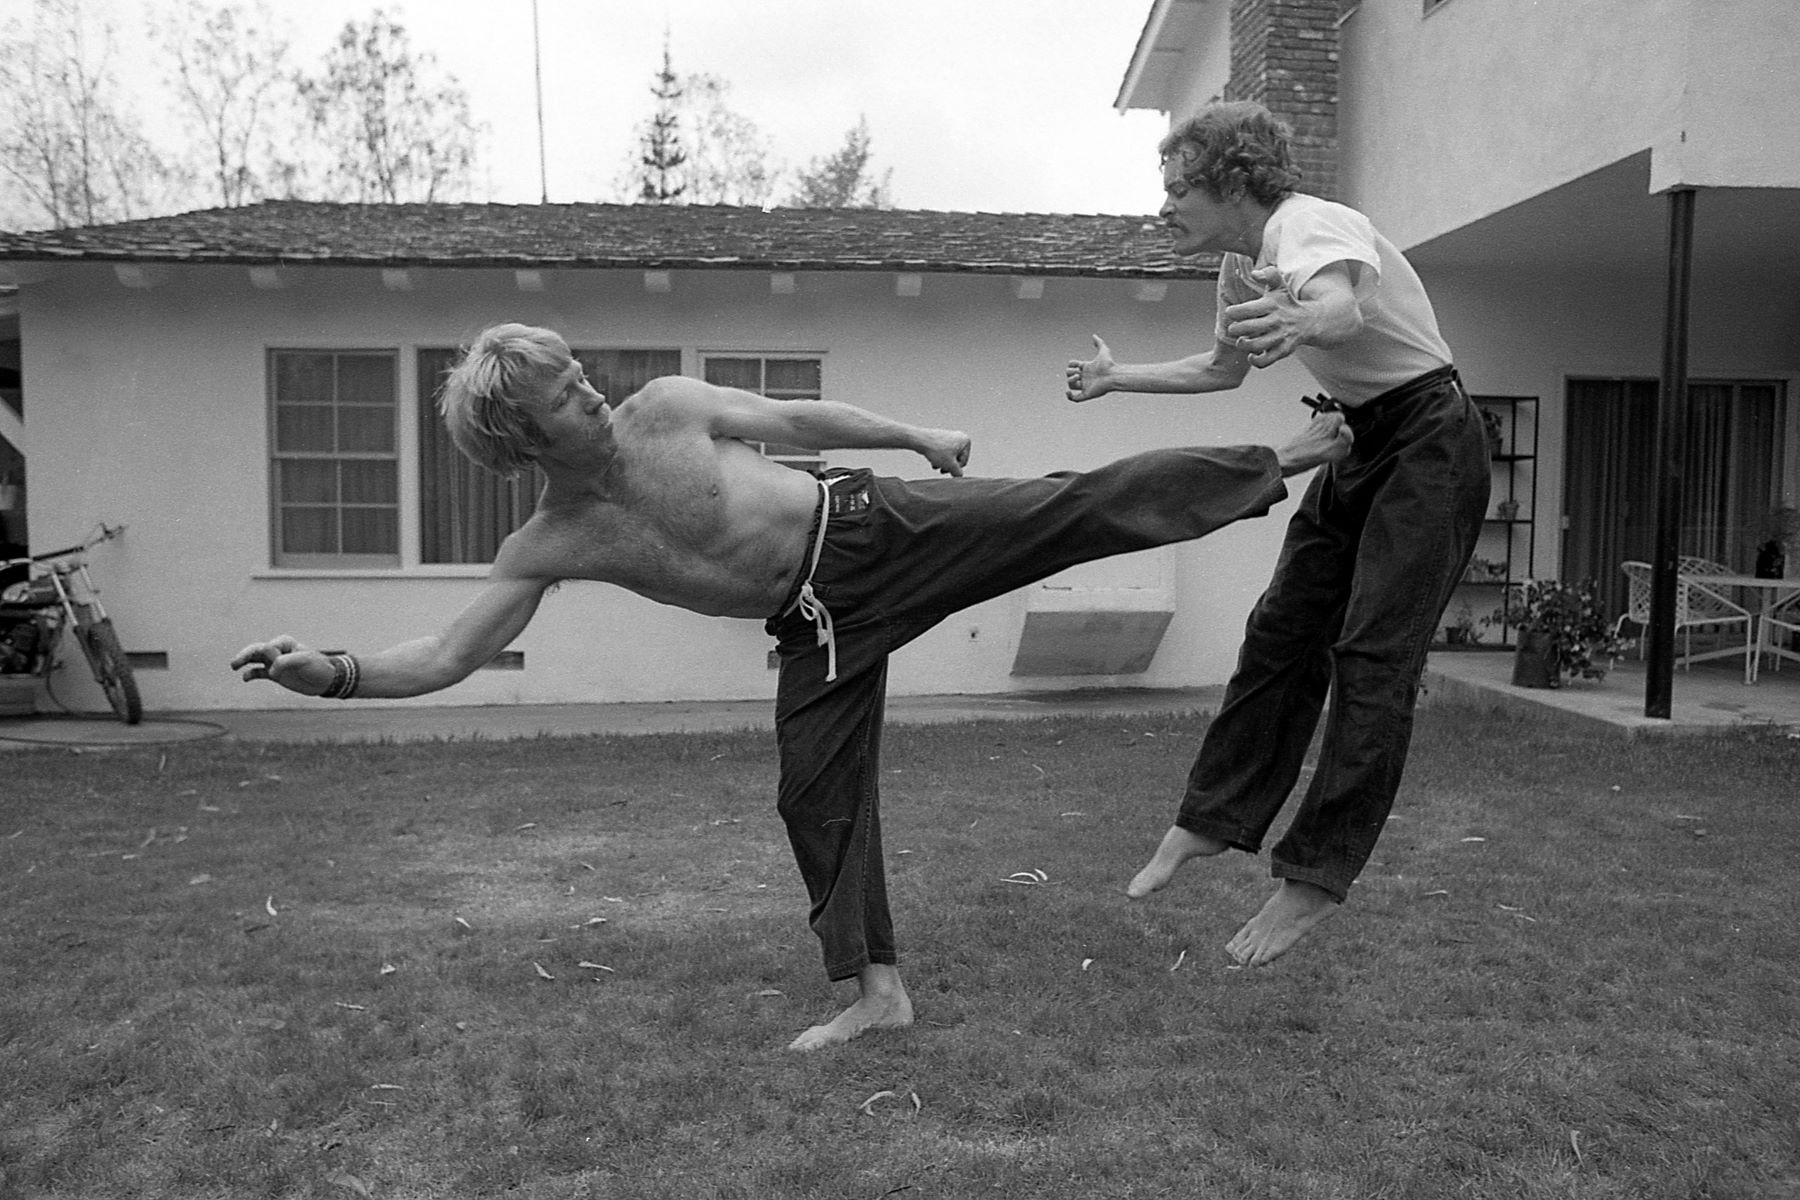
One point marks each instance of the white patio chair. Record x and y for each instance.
(1783, 618)
(1697, 606)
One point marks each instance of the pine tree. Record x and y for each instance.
(660, 180)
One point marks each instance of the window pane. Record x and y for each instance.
(365, 379)
(366, 482)
(793, 375)
(304, 428)
(777, 450)
(366, 429)
(303, 378)
(371, 530)
(328, 406)
(743, 373)
(309, 531)
(306, 481)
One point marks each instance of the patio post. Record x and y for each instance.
(1671, 428)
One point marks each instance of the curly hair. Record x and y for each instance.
(1234, 149)
(485, 397)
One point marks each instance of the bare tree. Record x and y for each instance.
(67, 142)
(696, 149)
(389, 128)
(730, 161)
(844, 179)
(234, 89)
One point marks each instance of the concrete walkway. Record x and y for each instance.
(1710, 698)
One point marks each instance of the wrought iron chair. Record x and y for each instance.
(1785, 618)
(1697, 606)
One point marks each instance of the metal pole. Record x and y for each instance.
(1671, 430)
(537, 66)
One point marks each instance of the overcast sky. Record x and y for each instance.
(975, 105)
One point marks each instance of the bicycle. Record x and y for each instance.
(58, 594)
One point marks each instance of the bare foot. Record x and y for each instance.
(1178, 845)
(883, 1004)
(1324, 440)
(1285, 918)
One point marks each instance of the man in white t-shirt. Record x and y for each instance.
(1377, 545)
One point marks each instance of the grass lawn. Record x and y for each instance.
(568, 968)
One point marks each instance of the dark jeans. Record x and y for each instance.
(1370, 561)
(899, 557)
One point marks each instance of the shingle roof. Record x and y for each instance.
(626, 235)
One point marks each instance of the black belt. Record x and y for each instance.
(1412, 389)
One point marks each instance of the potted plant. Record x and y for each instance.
(1562, 632)
(1496, 431)
(1461, 630)
(1780, 532)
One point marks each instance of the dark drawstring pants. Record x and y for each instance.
(1369, 563)
(899, 557)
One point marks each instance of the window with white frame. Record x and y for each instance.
(334, 458)
(465, 512)
(779, 377)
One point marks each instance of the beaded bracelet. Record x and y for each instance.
(346, 673)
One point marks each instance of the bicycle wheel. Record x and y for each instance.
(112, 671)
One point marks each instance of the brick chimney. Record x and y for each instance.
(1284, 55)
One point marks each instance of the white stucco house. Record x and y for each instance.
(250, 389)
(1530, 159)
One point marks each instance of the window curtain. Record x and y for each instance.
(1731, 455)
(466, 512)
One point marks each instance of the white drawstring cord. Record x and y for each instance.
(809, 605)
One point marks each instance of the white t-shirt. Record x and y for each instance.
(1399, 339)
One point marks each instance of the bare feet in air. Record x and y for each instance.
(883, 1004)
(1325, 439)
(1289, 915)
(1178, 845)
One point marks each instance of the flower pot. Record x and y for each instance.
(1535, 662)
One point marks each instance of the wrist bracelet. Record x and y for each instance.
(346, 673)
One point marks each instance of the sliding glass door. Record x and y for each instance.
(1734, 453)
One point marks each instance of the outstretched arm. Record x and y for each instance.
(1216, 370)
(428, 664)
(820, 425)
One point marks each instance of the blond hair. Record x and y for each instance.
(486, 397)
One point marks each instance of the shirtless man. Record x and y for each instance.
(1377, 545)
(661, 495)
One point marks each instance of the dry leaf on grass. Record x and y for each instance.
(388, 968)
(1086, 963)
(867, 1106)
(269, 905)
(386, 1087)
(1474, 839)
(349, 1182)
(200, 879)
(1033, 877)
(462, 924)
(351, 1007)
(1179, 961)
(542, 974)
(593, 966)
